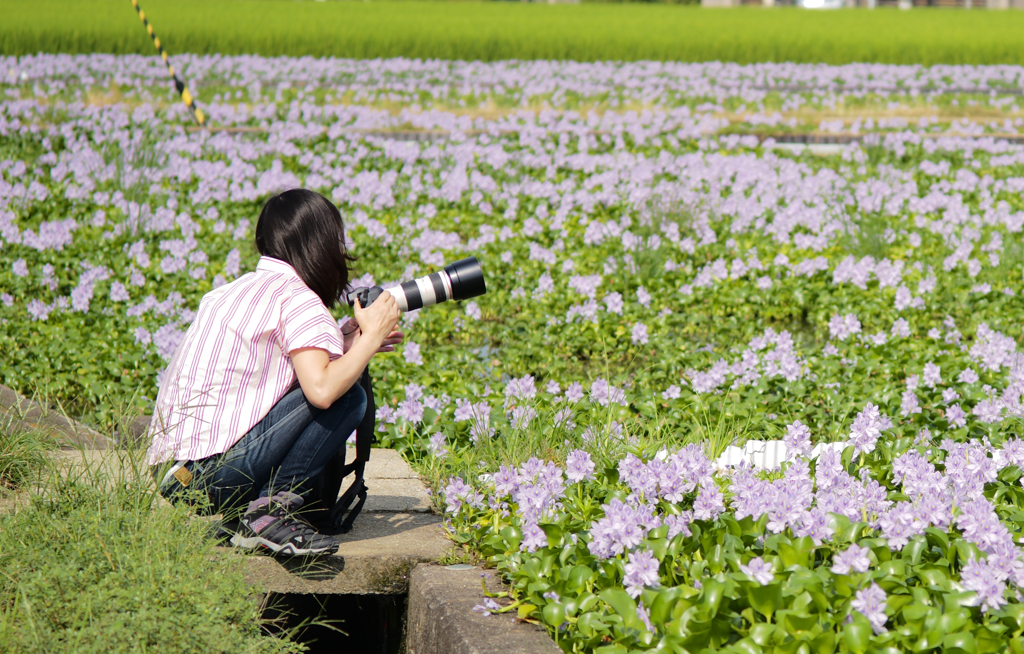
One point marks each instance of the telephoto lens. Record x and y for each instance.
(458, 281)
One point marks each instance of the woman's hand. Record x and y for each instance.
(393, 339)
(352, 335)
(377, 322)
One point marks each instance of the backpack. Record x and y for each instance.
(328, 512)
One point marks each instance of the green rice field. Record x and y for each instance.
(491, 31)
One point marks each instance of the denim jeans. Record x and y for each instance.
(283, 451)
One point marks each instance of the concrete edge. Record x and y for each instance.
(24, 415)
(441, 619)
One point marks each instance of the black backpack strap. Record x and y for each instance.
(365, 437)
(327, 510)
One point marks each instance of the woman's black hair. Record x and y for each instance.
(305, 230)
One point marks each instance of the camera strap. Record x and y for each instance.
(339, 515)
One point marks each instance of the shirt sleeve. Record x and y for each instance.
(306, 322)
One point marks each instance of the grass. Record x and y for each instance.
(23, 454)
(94, 561)
(499, 30)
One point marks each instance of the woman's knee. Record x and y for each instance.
(352, 402)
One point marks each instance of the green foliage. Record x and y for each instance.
(501, 30)
(97, 563)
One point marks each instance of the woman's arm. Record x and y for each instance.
(323, 381)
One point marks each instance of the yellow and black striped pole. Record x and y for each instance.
(186, 97)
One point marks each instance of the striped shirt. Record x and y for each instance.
(233, 364)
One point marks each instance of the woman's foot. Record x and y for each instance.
(268, 524)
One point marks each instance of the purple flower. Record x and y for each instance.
(640, 334)
(673, 392)
(986, 581)
(709, 503)
(412, 354)
(605, 394)
(575, 392)
(533, 537)
(563, 419)
(39, 310)
(613, 302)
(641, 570)
(521, 416)
(931, 375)
(436, 445)
(679, 524)
(487, 607)
(797, 440)
(867, 427)
(758, 570)
(968, 376)
(553, 388)
(523, 388)
(901, 328)
(19, 268)
(956, 416)
(458, 493)
(870, 602)
(842, 327)
(579, 466)
(506, 481)
(118, 292)
(643, 297)
(909, 404)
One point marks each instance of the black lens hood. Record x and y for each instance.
(467, 278)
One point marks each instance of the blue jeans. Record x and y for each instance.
(282, 452)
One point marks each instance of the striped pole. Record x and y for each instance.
(186, 97)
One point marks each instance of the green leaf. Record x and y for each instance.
(590, 624)
(766, 600)
(554, 534)
(959, 643)
(620, 602)
(857, 636)
(554, 614)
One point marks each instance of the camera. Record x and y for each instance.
(458, 281)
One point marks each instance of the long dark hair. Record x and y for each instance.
(304, 229)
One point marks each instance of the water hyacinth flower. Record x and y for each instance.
(436, 445)
(867, 427)
(579, 466)
(639, 335)
(641, 571)
(457, 493)
(489, 606)
(854, 558)
(412, 354)
(870, 602)
(797, 440)
(758, 570)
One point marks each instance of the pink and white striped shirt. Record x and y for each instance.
(233, 364)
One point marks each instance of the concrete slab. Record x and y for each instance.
(442, 621)
(375, 558)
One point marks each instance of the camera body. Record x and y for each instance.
(458, 281)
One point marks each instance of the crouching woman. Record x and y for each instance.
(263, 389)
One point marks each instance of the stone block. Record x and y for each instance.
(441, 619)
(20, 413)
